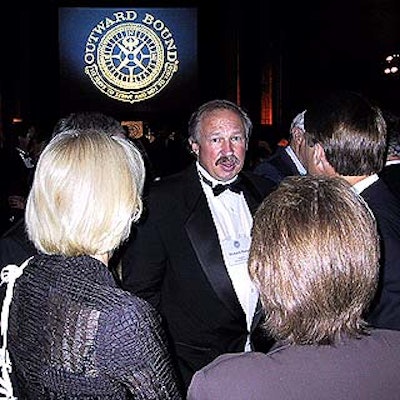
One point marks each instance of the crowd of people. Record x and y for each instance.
(214, 281)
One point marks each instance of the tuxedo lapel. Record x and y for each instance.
(204, 239)
(286, 164)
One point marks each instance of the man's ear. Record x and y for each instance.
(321, 164)
(297, 139)
(194, 146)
(297, 135)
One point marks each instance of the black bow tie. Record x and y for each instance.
(218, 189)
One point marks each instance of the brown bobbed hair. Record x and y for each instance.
(314, 258)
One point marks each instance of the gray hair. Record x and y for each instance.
(194, 126)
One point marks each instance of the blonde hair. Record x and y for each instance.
(314, 257)
(85, 194)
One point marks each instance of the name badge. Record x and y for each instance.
(237, 250)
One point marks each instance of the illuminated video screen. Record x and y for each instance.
(134, 61)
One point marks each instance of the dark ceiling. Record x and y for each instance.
(312, 44)
(341, 43)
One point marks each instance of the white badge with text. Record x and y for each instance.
(237, 250)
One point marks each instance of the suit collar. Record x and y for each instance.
(283, 163)
(203, 235)
(363, 184)
(295, 160)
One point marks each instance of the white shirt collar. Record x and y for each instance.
(295, 159)
(368, 181)
(201, 170)
(392, 162)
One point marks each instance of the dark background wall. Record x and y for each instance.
(308, 46)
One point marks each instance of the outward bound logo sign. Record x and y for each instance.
(131, 57)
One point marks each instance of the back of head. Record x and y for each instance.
(351, 131)
(314, 257)
(296, 138)
(297, 123)
(89, 120)
(85, 193)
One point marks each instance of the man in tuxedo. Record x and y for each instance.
(287, 160)
(189, 254)
(345, 135)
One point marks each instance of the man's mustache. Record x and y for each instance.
(228, 159)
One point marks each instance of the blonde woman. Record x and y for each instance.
(72, 333)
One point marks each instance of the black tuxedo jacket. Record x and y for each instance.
(385, 310)
(277, 167)
(174, 261)
(15, 247)
(391, 175)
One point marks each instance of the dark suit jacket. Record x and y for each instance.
(175, 262)
(391, 175)
(277, 167)
(366, 368)
(385, 310)
(15, 247)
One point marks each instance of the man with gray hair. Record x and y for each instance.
(286, 160)
(188, 256)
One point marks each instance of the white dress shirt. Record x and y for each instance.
(233, 221)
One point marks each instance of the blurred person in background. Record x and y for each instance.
(391, 170)
(289, 159)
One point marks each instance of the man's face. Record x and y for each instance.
(221, 149)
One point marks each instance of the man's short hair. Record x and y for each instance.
(350, 129)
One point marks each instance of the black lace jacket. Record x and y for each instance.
(73, 334)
